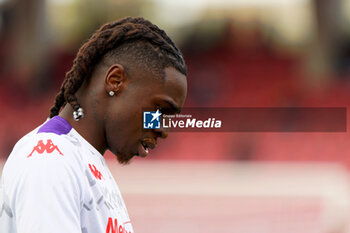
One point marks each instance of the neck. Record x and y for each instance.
(87, 127)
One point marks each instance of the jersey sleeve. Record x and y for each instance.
(48, 195)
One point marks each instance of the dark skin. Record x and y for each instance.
(115, 123)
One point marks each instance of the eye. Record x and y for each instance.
(164, 109)
(159, 108)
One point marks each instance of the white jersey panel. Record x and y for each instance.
(59, 183)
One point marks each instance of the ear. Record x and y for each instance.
(115, 79)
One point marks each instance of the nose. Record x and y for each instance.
(161, 133)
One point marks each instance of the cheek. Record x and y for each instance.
(123, 129)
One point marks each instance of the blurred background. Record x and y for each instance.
(240, 53)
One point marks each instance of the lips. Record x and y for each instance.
(149, 143)
(142, 151)
(145, 145)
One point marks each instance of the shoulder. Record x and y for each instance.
(43, 145)
(51, 138)
(45, 161)
(43, 154)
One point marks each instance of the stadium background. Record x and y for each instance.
(240, 53)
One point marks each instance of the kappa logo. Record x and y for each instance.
(97, 174)
(49, 147)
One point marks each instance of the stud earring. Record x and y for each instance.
(111, 93)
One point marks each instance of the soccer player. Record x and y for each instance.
(56, 178)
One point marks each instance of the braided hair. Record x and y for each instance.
(115, 39)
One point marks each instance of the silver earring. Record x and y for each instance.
(111, 93)
(78, 114)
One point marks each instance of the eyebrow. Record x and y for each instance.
(173, 106)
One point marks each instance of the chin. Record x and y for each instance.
(123, 158)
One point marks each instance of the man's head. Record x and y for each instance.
(140, 64)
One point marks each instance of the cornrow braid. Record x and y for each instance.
(108, 37)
